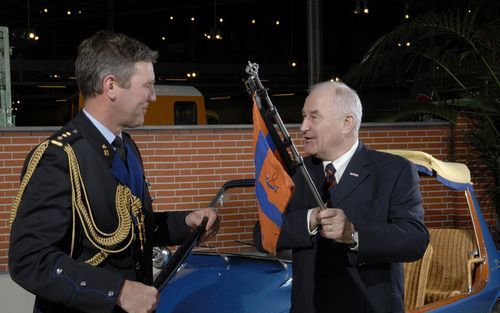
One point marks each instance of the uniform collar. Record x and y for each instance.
(101, 128)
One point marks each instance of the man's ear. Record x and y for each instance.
(109, 87)
(348, 123)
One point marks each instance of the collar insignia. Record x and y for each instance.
(105, 149)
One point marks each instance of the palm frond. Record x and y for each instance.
(433, 40)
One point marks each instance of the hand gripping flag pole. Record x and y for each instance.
(270, 116)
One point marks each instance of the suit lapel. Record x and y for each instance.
(356, 172)
(317, 173)
(315, 168)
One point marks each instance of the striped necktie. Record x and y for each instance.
(330, 180)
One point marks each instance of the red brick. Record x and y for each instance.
(187, 166)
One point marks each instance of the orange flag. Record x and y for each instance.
(273, 185)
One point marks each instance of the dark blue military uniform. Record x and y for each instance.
(50, 247)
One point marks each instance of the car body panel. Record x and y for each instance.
(228, 283)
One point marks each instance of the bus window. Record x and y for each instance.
(185, 113)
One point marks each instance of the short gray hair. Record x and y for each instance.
(346, 100)
(108, 53)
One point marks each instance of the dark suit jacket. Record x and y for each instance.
(41, 234)
(380, 195)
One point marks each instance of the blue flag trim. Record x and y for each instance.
(261, 151)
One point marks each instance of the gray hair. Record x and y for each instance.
(108, 53)
(346, 100)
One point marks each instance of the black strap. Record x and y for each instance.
(179, 256)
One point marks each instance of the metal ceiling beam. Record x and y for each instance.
(314, 41)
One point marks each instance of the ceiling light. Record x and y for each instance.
(174, 79)
(365, 7)
(220, 98)
(52, 86)
(283, 94)
(358, 7)
(215, 33)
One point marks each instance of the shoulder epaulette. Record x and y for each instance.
(61, 138)
(65, 137)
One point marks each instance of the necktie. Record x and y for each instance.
(330, 180)
(120, 148)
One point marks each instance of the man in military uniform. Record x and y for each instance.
(82, 223)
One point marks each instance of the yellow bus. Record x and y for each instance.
(176, 105)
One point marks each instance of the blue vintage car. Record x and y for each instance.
(460, 271)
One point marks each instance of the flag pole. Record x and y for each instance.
(271, 115)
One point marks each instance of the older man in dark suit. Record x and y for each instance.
(346, 258)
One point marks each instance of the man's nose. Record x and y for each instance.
(304, 126)
(152, 96)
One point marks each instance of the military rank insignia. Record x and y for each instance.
(105, 150)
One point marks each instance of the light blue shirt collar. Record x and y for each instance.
(102, 129)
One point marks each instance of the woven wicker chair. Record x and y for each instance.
(416, 276)
(448, 267)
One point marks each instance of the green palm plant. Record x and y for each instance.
(455, 57)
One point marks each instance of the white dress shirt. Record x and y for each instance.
(340, 165)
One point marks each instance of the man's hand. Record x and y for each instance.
(313, 219)
(194, 219)
(335, 225)
(138, 298)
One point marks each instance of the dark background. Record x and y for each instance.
(184, 48)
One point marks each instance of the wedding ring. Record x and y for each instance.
(330, 228)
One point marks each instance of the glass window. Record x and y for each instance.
(185, 113)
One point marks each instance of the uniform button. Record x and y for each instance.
(59, 271)
(137, 265)
(83, 283)
(111, 293)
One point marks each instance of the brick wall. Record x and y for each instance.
(187, 166)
